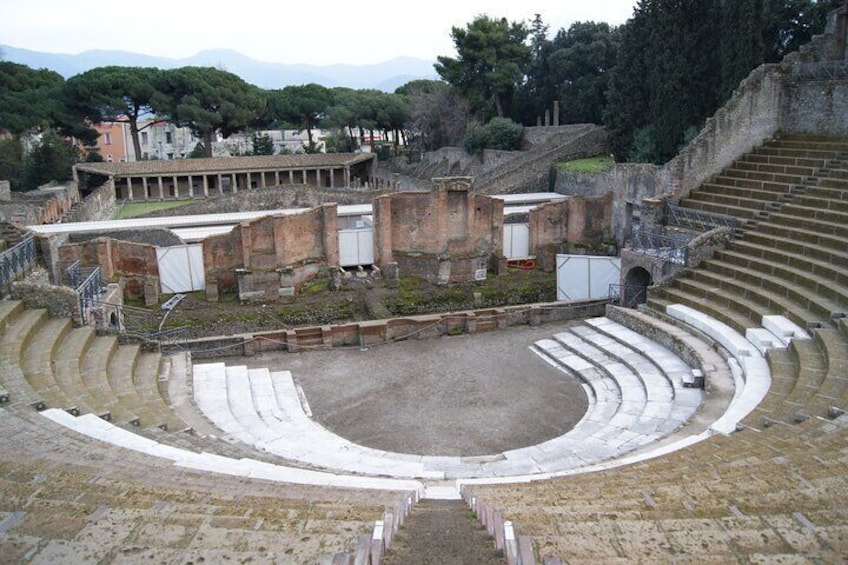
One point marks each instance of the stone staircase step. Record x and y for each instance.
(754, 270)
(67, 369)
(13, 343)
(803, 306)
(9, 312)
(38, 359)
(780, 251)
(443, 531)
(145, 379)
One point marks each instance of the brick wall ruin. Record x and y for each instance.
(568, 226)
(134, 263)
(446, 235)
(272, 256)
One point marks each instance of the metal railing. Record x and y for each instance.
(695, 219)
(668, 248)
(16, 262)
(629, 296)
(88, 284)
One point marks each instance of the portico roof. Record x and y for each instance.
(226, 164)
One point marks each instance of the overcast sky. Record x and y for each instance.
(280, 31)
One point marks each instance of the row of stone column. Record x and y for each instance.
(157, 188)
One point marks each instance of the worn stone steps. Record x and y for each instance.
(718, 306)
(718, 199)
(755, 270)
(739, 212)
(145, 382)
(773, 251)
(773, 293)
(731, 191)
(13, 344)
(37, 362)
(802, 245)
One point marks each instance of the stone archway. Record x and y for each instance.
(636, 284)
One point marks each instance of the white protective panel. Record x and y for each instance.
(356, 247)
(181, 268)
(516, 241)
(586, 277)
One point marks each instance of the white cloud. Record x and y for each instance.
(286, 32)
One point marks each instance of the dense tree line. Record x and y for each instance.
(652, 81)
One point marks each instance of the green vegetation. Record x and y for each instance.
(136, 209)
(589, 165)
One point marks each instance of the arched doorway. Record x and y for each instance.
(636, 284)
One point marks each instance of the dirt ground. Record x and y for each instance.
(465, 395)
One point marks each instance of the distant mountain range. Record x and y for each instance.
(385, 76)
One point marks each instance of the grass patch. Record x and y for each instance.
(590, 165)
(136, 209)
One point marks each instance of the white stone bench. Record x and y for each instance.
(751, 371)
(784, 329)
(763, 339)
(96, 428)
(729, 338)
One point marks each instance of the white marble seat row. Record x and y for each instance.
(643, 407)
(752, 374)
(99, 429)
(262, 409)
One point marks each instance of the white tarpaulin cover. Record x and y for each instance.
(585, 277)
(181, 268)
(516, 241)
(356, 247)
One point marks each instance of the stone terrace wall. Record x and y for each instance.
(45, 205)
(816, 99)
(101, 204)
(59, 301)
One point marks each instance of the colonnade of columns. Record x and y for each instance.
(202, 184)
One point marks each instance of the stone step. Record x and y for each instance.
(795, 241)
(120, 369)
(814, 201)
(772, 293)
(38, 359)
(769, 171)
(728, 191)
(9, 312)
(67, 369)
(753, 302)
(145, 379)
(833, 392)
(13, 342)
(784, 160)
(818, 154)
(714, 198)
(751, 269)
(781, 251)
(821, 220)
(740, 213)
(772, 174)
(766, 182)
(718, 307)
(442, 531)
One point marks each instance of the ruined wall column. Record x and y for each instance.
(161, 188)
(129, 189)
(146, 188)
(330, 224)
